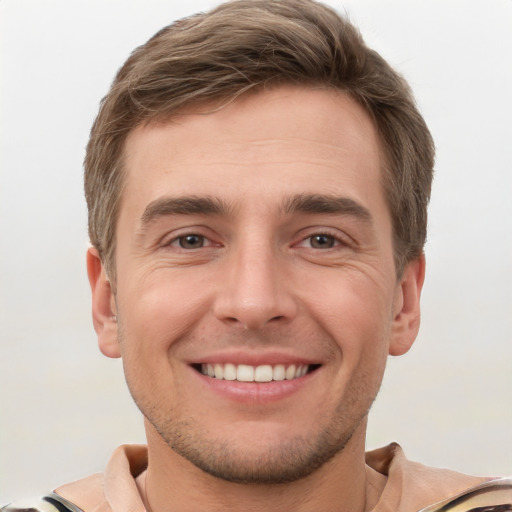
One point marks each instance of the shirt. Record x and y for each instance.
(403, 485)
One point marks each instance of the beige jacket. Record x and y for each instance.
(404, 486)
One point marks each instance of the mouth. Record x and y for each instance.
(261, 373)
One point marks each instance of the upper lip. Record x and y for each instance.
(256, 358)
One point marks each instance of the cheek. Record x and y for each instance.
(158, 311)
(352, 306)
(355, 312)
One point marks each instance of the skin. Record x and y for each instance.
(271, 275)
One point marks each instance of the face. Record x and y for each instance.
(256, 293)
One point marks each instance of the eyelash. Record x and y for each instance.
(204, 241)
(177, 241)
(336, 239)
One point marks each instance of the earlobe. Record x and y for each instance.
(103, 305)
(406, 320)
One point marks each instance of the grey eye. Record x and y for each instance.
(322, 241)
(191, 241)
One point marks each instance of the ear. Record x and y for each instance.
(406, 314)
(103, 305)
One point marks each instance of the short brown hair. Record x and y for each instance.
(246, 45)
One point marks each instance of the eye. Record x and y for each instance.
(191, 241)
(322, 241)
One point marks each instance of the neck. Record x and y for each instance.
(171, 484)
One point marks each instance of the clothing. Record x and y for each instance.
(403, 485)
(49, 503)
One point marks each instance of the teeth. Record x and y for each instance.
(229, 372)
(278, 372)
(247, 373)
(219, 371)
(263, 373)
(290, 372)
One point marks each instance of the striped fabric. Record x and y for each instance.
(50, 503)
(492, 496)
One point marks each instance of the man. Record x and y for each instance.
(257, 182)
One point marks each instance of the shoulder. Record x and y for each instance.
(50, 503)
(85, 495)
(490, 496)
(410, 485)
(90, 494)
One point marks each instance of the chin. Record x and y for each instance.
(267, 460)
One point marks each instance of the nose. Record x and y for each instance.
(255, 291)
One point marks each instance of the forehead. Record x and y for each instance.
(288, 140)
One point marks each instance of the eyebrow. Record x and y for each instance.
(319, 203)
(190, 205)
(299, 203)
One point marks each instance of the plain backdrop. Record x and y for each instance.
(64, 407)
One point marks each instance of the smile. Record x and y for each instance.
(262, 373)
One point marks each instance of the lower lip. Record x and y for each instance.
(255, 392)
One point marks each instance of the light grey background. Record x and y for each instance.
(63, 407)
